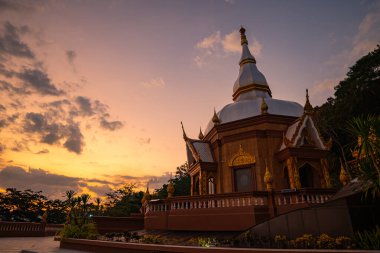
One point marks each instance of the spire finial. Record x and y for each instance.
(242, 36)
(146, 196)
(264, 107)
(200, 136)
(308, 108)
(215, 118)
(184, 133)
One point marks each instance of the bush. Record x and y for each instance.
(86, 231)
(206, 242)
(369, 240)
(151, 239)
(324, 241)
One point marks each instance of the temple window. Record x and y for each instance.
(243, 179)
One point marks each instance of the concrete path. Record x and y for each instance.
(32, 245)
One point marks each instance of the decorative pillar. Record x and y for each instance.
(343, 177)
(325, 172)
(191, 185)
(268, 179)
(202, 183)
(294, 178)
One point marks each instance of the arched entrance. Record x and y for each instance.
(306, 176)
(286, 178)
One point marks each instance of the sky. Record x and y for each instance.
(92, 93)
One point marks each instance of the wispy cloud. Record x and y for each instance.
(154, 83)
(216, 46)
(364, 41)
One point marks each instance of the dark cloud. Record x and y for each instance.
(43, 151)
(39, 81)
(51, 131)
(74, 142)
(71, 55)
(110, 125)
(17, 5)
(51, 185)
(11, 89)
(4, 122)
(6, 72)
(37, 180)
(34, 122)
(11, 44)
(2, 108)
(19, 146)
(85, 107)
(99, 190)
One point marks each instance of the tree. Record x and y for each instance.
(181, 183)
(357, 95)
(24, 205)
(367, 165)
(123, 201)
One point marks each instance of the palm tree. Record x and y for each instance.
(367, 129)
(97, 201)
(70, 203)
(85, 198)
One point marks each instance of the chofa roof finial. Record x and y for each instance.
(184, 133)
(308, 108)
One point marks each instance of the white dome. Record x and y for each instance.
(252, 107)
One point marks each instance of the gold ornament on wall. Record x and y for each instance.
(241, 158)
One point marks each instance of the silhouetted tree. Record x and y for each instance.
(181, 182)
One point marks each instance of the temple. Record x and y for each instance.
(257, 158)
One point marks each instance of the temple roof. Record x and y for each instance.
(197, 150)
(304, 132)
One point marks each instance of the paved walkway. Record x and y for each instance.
(32, 245)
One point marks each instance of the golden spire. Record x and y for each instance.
(308, 108)
(184, 133)
(215, 118)
(242, 36)
(268, 179)
(146, 196)
(200, 136)
(264, 107)
(343, 177)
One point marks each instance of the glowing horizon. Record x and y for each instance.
(93, 92)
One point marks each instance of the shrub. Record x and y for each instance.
(151, 239)
(86, 231)
(368, 239)
(206, 242)
(324, 241)
(306, 241)
(343, 242)
(281, 241)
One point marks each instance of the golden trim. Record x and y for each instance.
(251, 87)
(248, 60)
(241, 158)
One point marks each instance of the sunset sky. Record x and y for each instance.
(93, 92)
